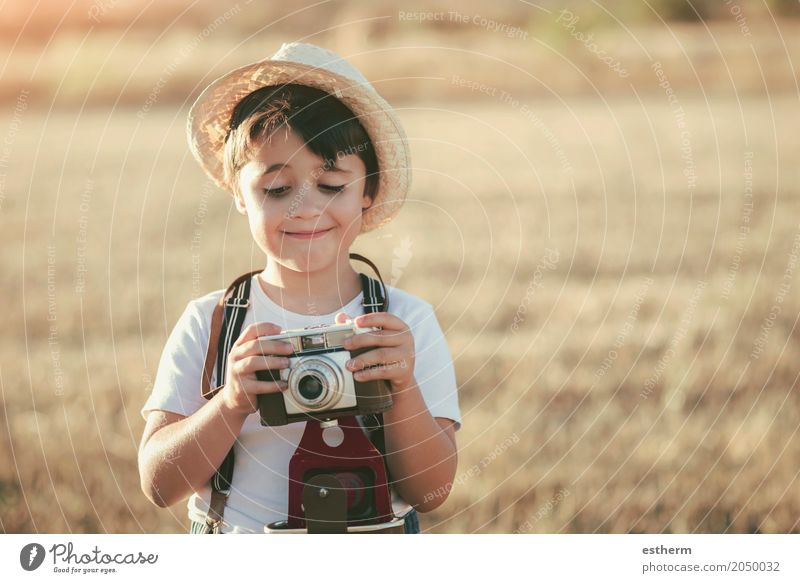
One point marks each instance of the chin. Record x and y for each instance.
(305, 262)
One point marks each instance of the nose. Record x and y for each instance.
(307, 203)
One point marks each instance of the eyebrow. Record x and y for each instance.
(275, 167)
(281, 165)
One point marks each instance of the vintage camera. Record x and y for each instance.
(320, 386)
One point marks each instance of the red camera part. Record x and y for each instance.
(355, 463)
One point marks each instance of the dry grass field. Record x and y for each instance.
(620, 296)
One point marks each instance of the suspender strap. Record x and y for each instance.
(378, 301)
(226, 325)
(235, 312)
(230, 308)
(375, 300)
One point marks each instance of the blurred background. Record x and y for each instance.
(604, 214)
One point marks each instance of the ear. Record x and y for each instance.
(238, 200)
(366, 202)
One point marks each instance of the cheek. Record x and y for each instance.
(347, 209)
(264, 217)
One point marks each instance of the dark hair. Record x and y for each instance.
(326, 125)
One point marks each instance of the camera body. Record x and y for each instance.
(320, 386)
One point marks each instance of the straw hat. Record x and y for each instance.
(307, 64)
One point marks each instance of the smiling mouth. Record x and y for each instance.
(307, 234)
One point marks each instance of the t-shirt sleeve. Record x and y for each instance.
(177, 385)
(433, 367)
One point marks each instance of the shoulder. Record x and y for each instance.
(197, 314)
(413, 310)
(205, 304)
(403, 302)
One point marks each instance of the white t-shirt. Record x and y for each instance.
(259, 492)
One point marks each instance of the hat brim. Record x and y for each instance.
(209, 119)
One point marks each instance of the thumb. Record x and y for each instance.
(341, 317)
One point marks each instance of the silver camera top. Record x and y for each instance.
(322, 337)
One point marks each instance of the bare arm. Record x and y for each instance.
(421, 451)
(178, 454)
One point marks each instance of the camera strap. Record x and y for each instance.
(226, 326)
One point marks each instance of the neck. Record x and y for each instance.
(312, 292)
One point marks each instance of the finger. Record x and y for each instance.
(253, 363)
(374, 338)
(253, 388)
(387, 372)
(380, 320)
(262, 346)
(342, 317)
(374, 357)
(257, 329)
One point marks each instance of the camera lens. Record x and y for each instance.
(315, 384)
(310, 387)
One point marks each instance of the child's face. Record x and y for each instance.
(312, 212)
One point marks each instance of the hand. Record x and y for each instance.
(393, 360)
(248, 354)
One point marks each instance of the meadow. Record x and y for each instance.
(616, 277)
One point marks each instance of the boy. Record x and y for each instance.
(313, 157)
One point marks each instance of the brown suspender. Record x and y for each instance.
(213, 339)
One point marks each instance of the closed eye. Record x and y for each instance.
(276, 191)
(332, 188)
